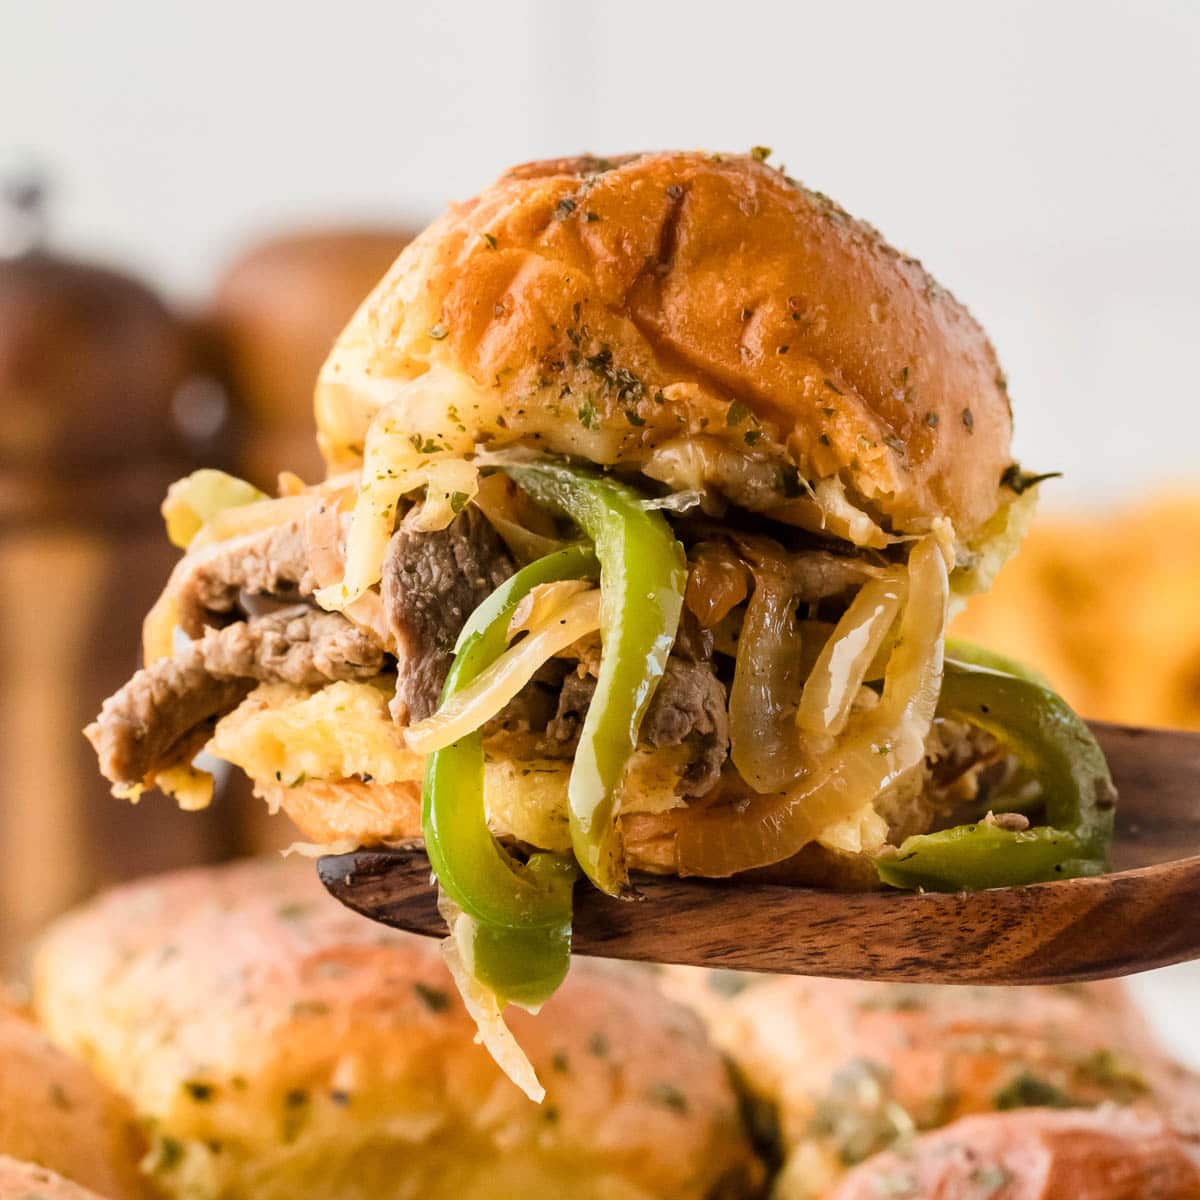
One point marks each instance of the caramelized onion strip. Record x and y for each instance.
(878, 748)
(552, 630)
(842, 665)
(767, 684)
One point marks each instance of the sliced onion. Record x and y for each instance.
(415, 439)
(878, 749)
(251, 518)
(367, 612)
(525, 528)
(449, 485)
(914, 672)
(767, 684)
(846, 657)
(718, 582)
(544, 602)
(323, 528)
(676, 502)
(319, 849)
(482, 1003)
(486, 695)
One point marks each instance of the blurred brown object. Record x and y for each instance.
(55, 1113)
(101, 406)
(1107, 605)
(274, 317)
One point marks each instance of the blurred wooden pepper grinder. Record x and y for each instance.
(102, 404)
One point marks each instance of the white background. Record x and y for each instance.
(1041, 157)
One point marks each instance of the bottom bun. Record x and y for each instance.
(351, 812)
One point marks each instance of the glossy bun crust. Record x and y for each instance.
(281, 1046)
(54, 1112)
(657, 290)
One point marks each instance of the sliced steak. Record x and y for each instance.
(143, 726)
(688, 707)
(432, 582)
(299, 645)
(211, 584)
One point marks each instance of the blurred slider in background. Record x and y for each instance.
(270, 1045)
(106, 396)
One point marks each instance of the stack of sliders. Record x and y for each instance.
(273, 1047)
(652, 482)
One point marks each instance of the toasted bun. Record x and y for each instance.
(25, 1181)
(1038, 1155)
(323, 1056)
(349, 811)
(851, 1065)
(657, 289)
(54, 1112)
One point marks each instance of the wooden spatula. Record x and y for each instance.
(1145, 914)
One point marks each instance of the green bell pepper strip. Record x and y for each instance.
(522, 966)
(1058, 749)
(473, 868)
(643, 573)
(521, 936)
(975, 655)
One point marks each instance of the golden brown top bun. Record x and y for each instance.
(25, 1181)
(852, 1066)
(56, 1113)
(281, 1046)
(1108, 1154)
(612, 306)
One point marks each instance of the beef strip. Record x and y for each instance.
(432, 582)
(141, 728)
(688, 706)
(814, 574)
(211, 584)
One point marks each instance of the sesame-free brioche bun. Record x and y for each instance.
(56, 1114)
(279, 1046)
(26, 1181)
(1105, 1154)
(676, 306)
(852, 1067)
